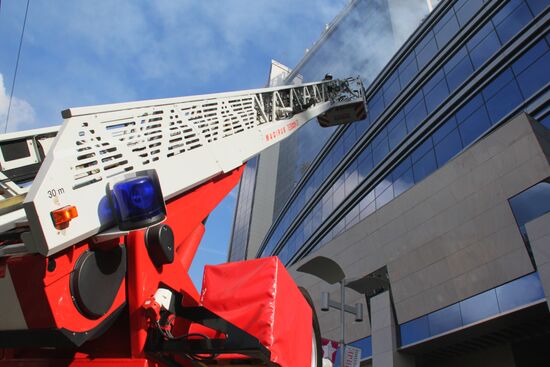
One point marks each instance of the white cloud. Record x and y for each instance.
(22, 114)
(196, 41)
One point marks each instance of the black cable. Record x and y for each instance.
(16, 65)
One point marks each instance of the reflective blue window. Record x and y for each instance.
(506, 11)
(519, 292)
(504, 101)
(365, 166)
(376, 106)
(474, 125)
(537, 5)
(421, 150)
(416, 114)
(446, 319)
(447, 31)
(415, 330)
(408, 70)
(469, 108)
(380, 152)
(424, 167)
(403, 182)
(485, 49)
(479, 307)
(545, 121)
(535, 76)
(448, 147)
(444, 130)
(397, 134)
(528, 58)
(424, 55)
(436, 95)
(460, 72)
(480, 35)
(385, 197)
(365, 345)
(497, 84)
(467, 10)
(513, 22)
(531, 203)
(391, 88)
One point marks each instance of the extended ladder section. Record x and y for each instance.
(187, 141)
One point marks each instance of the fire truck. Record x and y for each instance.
(101, 217)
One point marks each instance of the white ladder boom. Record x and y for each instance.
(185, 140)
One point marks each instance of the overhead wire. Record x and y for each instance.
(16, 65)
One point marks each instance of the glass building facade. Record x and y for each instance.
(470, 65)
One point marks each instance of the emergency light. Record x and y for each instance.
(138, 202)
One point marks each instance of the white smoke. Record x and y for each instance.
(367, 41)
(22, 114)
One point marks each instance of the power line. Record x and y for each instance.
(16, 65)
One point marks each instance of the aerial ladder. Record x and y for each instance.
(101, 217)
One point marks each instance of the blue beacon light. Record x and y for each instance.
(138, 203)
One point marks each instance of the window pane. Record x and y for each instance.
(376, 106)
(537, 5)
(531, 203)
(519, 292)
(486, 48)
(444, 130)
(468, 10)
(513, 23)
(380, 152)
(459, 73)
(385, 197)
(382, 186)
(535, 76)
(426, 54)
(421, 150)
(445, 319)
(506, 11)
(436, 95)
(447, 32)
(403, 183)
(448, 148)
(479, 307)
(474, 126)
(415, 330)
(401, 167)
(380, 138)
(416, 115)
(391, 88)
(530, 57)
(469, 108)
(407, 71)
(364, 167)
(424, 167)
(480, 35)
(365, 345)
(504, 101)
(497, 84)
(397, 134)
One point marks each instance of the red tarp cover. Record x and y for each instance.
(260, 297)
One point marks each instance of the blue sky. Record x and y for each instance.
(82, 52)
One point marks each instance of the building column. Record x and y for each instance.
(384, 334)
(538, 231)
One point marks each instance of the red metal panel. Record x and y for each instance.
(260, 297)
(185, 215)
